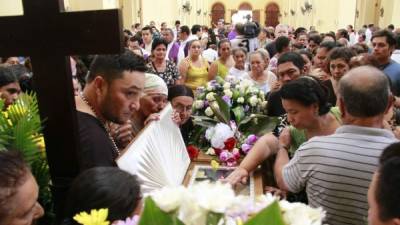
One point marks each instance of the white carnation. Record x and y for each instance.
(199, 104)
(222, 132)
(210, 96)
(209, 112)
(301, 214)
(215, 197)
(240, 100)
(227, 85)
(253, 100)
(210, 151)
(228, 93)
(190, 213)
(169, 198)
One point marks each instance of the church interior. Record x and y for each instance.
(324, 16)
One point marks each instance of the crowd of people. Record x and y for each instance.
(335, 94)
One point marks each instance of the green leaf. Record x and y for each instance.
(223, 112)
(238, 111)
(258, 124)
(271, 215)
(214, 218)
(204, 121)
(153, 215)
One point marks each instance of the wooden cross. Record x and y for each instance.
(48, 35)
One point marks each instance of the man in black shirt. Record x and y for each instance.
(114, 86)
(290, 67)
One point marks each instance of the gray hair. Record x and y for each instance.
(365, 92)
(170, 31)
(264, 55)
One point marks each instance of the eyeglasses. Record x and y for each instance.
(181, 108)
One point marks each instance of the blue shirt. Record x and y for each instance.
(392, 70)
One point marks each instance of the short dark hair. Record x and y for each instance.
(329, 45)
(7, 76)
(195, 28)
(387, 193)
(299, 31)
(13, 173)
(341, 53)
(344, 33)
(179, 90)
(104, 187)
(177, 22)
(111, 67)
(330, 34)
(390, 26)
(137, 25)
(293, 57)
(385, 33)
(223, 41)
(157, 42)
(307, 90)
(366, 100)
(316, 38)
(281, 43)
(306, 52)
(148, 28)
(185, 29)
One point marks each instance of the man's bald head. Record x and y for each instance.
(365, 92)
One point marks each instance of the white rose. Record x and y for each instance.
(262, 93)
(210, 96)
(199, 104)
(253, 100)
(209, 112)
(228, 93)
(169, 198)
(190, 213)
(301, 214)
(210, 151)
(240, 100)
(227, 85)
(221, 133)
(214, 197)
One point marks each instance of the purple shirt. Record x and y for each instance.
(232, 35)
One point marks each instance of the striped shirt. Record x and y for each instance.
(336, 171)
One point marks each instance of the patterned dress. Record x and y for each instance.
(170, 75)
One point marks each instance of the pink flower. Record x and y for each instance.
(224, 156)
(231, 162)
(251, 139)
(246, 148)
(129, 221)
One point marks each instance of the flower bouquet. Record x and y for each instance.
(210, 204)
(215, 203)
(229, 116)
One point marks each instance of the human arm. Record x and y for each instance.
(282, 157)
(266, 146)
(183, 69)
(213, 70)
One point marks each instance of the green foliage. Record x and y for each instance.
(271, 215)
(258, 124)
(20, 130)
